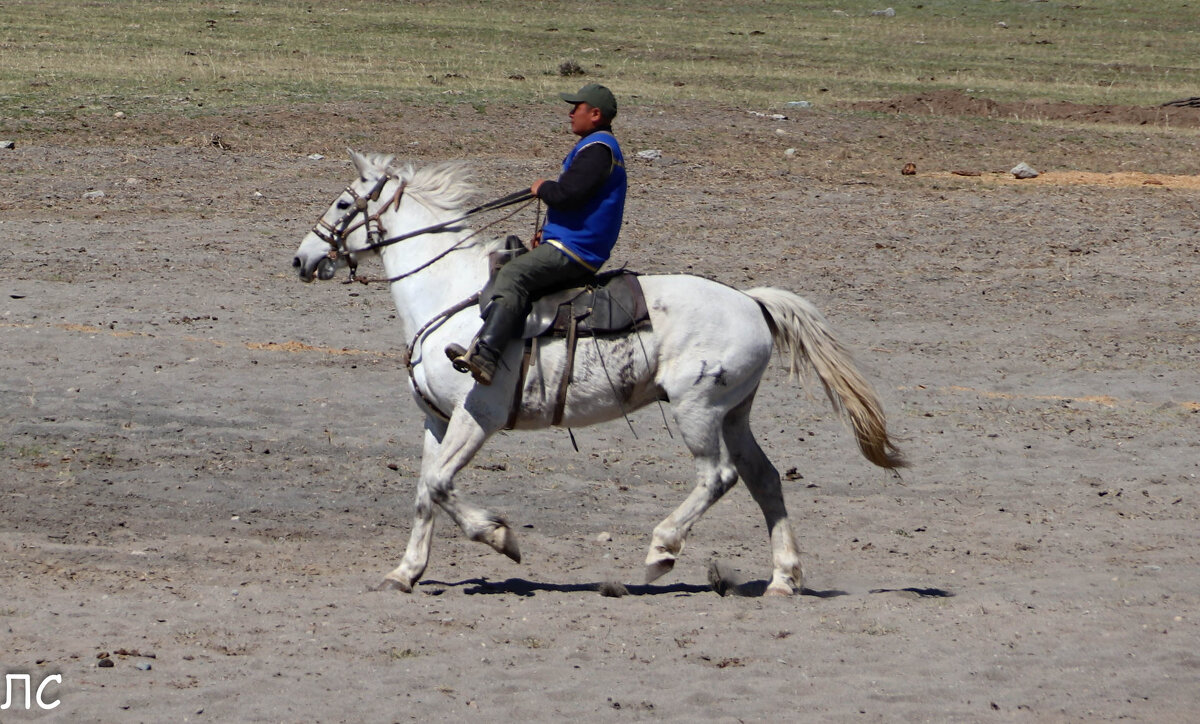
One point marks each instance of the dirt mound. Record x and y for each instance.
(956, 103)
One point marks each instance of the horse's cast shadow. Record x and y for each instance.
(749, 589)
(523, 587)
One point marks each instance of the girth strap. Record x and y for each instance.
(560, 400)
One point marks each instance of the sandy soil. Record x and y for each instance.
(208, 463)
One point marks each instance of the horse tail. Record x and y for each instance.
(802, 333)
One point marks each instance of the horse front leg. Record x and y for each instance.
(420, 542)
(442, 458)
(465, 434)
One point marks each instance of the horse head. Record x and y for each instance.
(351, 223)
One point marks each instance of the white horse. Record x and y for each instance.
(706, 353)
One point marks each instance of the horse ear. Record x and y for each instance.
(360, 161)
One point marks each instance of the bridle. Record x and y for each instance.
(336, 234)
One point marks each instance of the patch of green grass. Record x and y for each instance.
(26, 451)
(62, 57)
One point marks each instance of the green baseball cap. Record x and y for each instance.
(594, 95)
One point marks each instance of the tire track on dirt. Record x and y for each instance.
(1101, 400)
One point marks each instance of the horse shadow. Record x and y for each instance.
(527, 588)
(747, 589)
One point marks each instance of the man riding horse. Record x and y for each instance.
(585, 208)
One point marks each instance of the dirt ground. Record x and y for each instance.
(207, 463)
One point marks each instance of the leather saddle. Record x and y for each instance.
(611, 304)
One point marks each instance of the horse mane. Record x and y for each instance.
(448, 185)
(445, 186)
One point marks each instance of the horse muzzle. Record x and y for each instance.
(322, 268)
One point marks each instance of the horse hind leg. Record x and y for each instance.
(715, 474)
(762, 480)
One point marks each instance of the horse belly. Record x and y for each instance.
(610, 377)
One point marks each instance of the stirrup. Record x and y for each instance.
(482, 373)
(458, 356)
(473, 361)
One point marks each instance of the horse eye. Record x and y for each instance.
(342, 204)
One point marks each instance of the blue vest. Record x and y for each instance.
(588, 233)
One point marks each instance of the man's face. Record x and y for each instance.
(585, 119)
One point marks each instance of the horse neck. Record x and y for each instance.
(445, 282)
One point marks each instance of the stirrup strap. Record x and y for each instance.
(515, 410)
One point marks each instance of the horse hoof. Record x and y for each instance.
(779, 590)
(658, 569)
(391, 584)
(505, 541)
(510, 548)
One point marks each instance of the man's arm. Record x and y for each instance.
(582, 179)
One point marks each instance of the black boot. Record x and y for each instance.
(481, 358)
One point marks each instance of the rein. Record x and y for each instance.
(500, 203)
(436, 228)
(335, 234)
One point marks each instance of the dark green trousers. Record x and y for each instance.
(532, 275)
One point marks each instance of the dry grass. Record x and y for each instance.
(194, 56)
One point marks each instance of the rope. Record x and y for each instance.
(613, 387)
